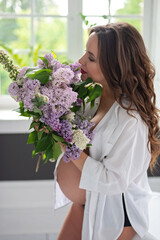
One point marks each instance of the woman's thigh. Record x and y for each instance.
(127, 234)
(68, 177)
(72, 226)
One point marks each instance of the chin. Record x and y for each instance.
(84, 77)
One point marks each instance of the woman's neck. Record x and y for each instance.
(106, 101)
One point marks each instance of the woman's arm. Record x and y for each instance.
(80, 161)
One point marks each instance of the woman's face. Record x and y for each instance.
(90, 62)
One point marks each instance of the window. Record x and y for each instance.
(113, 11)
(29, 27)
(37, 26)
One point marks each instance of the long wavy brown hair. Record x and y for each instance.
(129, 73)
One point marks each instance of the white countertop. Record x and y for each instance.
(11, 122)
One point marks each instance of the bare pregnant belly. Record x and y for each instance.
(68, 177)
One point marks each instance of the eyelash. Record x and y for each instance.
(91, 59)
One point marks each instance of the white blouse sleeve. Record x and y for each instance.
(124, 163)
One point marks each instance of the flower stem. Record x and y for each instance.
(38, 162)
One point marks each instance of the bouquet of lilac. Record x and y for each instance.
(53, 95)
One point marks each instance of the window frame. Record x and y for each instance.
(151, 35)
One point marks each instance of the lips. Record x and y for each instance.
(82, 71)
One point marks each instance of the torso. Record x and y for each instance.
(96, 119)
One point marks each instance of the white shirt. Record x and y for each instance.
(117, 163)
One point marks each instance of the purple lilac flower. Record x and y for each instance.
(31, 84)
(56, 109)
(79, 102)
(52, 121)
(74, 67)
(60, 99)
(27, 93)
(72, 152)
(66, 130)
(65, 97)
(62, 95)
(85, 126)
(49, 92)
(22, 72)
(49, 57)
(63, 75)
(52, 63)
(46, 110)
(13, 89)
(57, 65)
(41, 64)
(59, 109)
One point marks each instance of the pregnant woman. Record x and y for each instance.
(108, 184)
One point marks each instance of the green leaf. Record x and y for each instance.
(49, 152)
(20, 104)
(43, 143)
(81, 88)
(75, 108)
(92, 104)
(54, 55)
(77, 69)
(88, 80)
(56, 150)
(58, 138)
(30, 69)
(32, 137)
(89, 145)
(37, 110)
(83, 106)
(45, 60)
(33, 153)
(92, 25)
(82, 91)
(95, 92)
(40, 133)
(33, 124)
(104, 16)
(38, 101)
(86, 22)
(82, 16)
(42, 75)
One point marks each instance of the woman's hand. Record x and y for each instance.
(63, 146)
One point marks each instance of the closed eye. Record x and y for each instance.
(91, 59)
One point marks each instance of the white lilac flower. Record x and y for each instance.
(70, 116)
(80, 139)
(43, 97)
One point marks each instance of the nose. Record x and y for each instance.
(82, 60)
